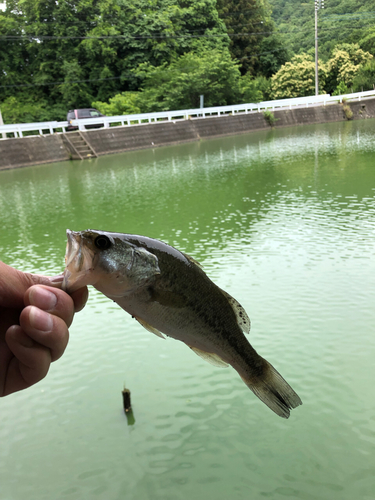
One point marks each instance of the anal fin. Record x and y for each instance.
(210, 357)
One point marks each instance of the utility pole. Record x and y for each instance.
(319, 4)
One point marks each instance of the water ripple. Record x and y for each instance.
(283, 220)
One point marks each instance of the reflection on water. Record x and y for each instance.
(284, 221)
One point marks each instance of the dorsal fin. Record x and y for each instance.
(243, 319)
(191, 259)
(149, 327)
(210, 357)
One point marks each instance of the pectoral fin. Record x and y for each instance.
(149, 327)
(210, 357)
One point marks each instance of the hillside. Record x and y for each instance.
(341, 21)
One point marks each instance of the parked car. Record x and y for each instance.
(77, 114)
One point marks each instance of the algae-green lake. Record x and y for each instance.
(283, 220)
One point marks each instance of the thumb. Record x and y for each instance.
(14, 283)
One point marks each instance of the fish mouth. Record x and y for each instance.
(79, 260)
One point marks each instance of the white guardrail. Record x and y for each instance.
(42, 128)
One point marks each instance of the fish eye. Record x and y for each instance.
(102, 242)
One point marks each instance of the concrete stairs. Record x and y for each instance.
(78, 146)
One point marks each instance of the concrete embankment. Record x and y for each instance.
(34, 150)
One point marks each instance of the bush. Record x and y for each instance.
(341, 89)
(297, 78)
(178, 85)
(23, 109)
(365, 78)
(269, 117)
(344, 65)
(347, 111)
(125, 103)
(250, 89)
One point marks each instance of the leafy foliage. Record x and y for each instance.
(344, 65)
(77, 52)
(347, 111)
(180, 84)
(127, 56)
(365, 77)
(341, 21)
(251, 89)
(249, 26)
(341, 89)
(269, 117)
(125, 103)
(297, 78)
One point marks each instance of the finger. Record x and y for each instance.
(80, 297)
(14, 283)
(30, 363)
(52, 300)
(46, 329)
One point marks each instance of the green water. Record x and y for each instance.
(285, 222)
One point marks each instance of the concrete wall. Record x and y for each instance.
(35, 150)
(105, 141)
(26, 151)
(116, 139)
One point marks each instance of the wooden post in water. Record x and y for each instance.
(128, 406)
(126, 400)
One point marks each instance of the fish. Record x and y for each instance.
(169, 294)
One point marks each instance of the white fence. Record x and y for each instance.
(17, 130)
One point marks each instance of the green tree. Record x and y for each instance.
(125, 103)
(265, 87)
(75, 52)
(272, 55)
(297, 78)
(251, 89)
(179, 85)
(341, 20)
(25, 111)
(49, 41)
(367, 42)
(250, 28)
(365, 77)
(75, 91)
(344, 65)
(341, 89)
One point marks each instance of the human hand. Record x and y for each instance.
(34, 319)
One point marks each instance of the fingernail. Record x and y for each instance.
(42, 298)
(15, 331)
(40, 320)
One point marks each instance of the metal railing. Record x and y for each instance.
(42, 128)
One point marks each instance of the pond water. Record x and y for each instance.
(284, 221)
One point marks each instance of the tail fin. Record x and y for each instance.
(274, 391)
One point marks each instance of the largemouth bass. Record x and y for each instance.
(168, 293)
